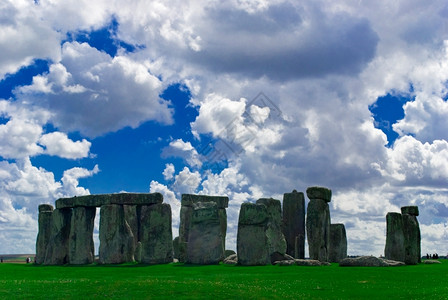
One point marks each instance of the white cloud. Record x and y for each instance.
(179, 148)
(168, 173)
(57, 143)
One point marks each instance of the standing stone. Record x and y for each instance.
(205, 245)
(411, 231)
(394, 249)
(81, 247)
(252, 242)
(176, 248)
(276, 239)
(156, 234)
(318, 222)
(58, 251)
(44, 234)
(294, 223)
(116, 238)
(338, 243)
(189, 204)
(131, 215)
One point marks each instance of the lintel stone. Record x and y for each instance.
(190, 199)
(107, 199)
(317, 192)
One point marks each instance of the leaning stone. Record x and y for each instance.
(116, 238)
(410, 210)
(205, 246)
(338, 243)
(81, 247)
(432, 261)
(276, 239)
(318, 229)
(156, 234)
(252, 244)
(294, 223)
(394, 249)
(317, 192)
(412, 239)
(369, 261)
(58, 251)
(44, 234)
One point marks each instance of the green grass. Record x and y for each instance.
(131, 281)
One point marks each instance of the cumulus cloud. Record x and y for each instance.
(168, 173)
(179, 148)
(57, 143)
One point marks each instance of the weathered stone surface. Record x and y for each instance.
(44, 234)
(412, 239)
(176, 247)
(432, 261)
(227, 253)
(410, 210)
(58, 251)
(252, 242)
(186, 213)
(106, 199)
(294, 223)
(338, 243)
(132, 217)
(318, 229)
(190, 199)
(116, 238)
(81, 248)
(276, 239)
(156, 234)
(231, 259)
(205, 245)
(369, 261)
(394, 249)
(317, 192)
(301, 262)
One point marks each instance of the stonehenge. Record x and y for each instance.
(138, 227)
(403, 240)
(132, 226)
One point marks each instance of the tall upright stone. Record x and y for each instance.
(411, 232)
(252, 241)
(275, 238)
(156, 235)
(190, 203)
(116, 238)
(338, 243)
(81, 247)
(318, 222)
(394, 249)
(58, 251)
(44, 234)
(294, 223)
(205, 245)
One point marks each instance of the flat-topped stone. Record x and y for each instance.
(107, 199)
(318, 192)
(45, 207)
(252, 214)
(410, 210)
(189, 199)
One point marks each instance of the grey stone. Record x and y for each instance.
(394, 249)
(190, 199)
(116, 238)
(156, 234)
(81, 247)
(432, 261)
(369, 261)
(317, 192)
(231, 259)
(176, 247)
(276, 239)
(44, 234)
(310, 262)
(58, 251)
(186, 213)
(412, 239)
(227, 253)
(294, 223)
(318, 229)
(338, 243)
(252, 242)
(205, 241)
(410, 210)
(106, 199)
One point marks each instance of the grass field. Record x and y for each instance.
(132, 281)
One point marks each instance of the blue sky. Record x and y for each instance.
(247, 99)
